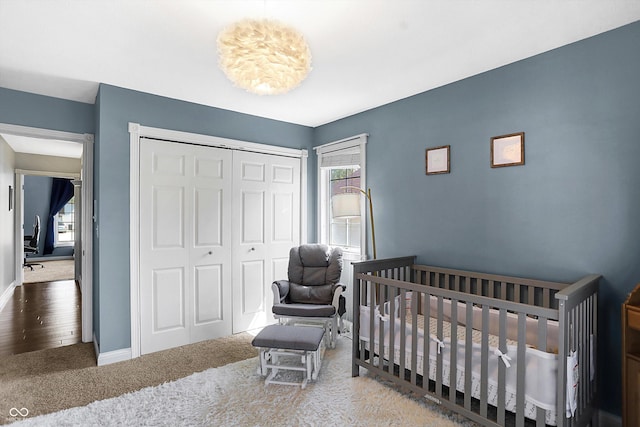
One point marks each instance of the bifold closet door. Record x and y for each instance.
(185, 244)
(266, 213)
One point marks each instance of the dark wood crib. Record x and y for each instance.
(499, 350)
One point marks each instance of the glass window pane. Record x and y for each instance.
(338, 235)
(354, 233)
(344, 231)
(65, 227)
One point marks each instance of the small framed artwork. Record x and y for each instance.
(438, 160)
(10, 198)
(507, 150)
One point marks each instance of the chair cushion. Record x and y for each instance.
(320, 294)
(315, 264)
(304, 310)
(305, 338)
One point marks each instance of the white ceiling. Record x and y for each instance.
(365, 52)
(45, 147)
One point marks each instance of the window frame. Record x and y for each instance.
(355, 144)
(56, 239)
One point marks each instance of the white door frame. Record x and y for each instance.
(86, 175)
(137, 131)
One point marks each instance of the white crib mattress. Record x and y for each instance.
(540, 374)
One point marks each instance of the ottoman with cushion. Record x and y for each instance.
(280, 344)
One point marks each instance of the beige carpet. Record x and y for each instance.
(51, 271)
(235, 395)
(51, 380)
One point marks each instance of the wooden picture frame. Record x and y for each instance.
(507, 150)
(438, 160)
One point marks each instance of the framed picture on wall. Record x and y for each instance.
(438, 160)
(507, 150)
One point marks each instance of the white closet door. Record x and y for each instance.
(185, 219)
(210, 250)
(266, 211)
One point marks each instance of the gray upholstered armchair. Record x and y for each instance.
(313, 292)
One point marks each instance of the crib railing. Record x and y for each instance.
(547, 315)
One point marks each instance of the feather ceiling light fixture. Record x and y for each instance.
(264, 56)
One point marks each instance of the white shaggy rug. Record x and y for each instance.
(235, 395)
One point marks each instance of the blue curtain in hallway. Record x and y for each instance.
(61, 193)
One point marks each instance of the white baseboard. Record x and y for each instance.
(49, 258)
(7, 294)
(609, 420)
(110, 356)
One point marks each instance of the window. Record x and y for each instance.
(64, 225)
(341, 170)
(344, 232)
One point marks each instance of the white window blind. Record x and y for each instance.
(343, 157)
(346, 152)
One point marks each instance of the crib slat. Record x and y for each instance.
(372, 321)
(484, 365)
(403, 336)
(439, 354)
(522, 340)
(425, 342)
(542, 334)
(453, 362)
(530, 296)
(426, 345)
(414, 336)
(583, 356)
(467, 362)
(502, 344)
(540, 417)
(392, 330)
(545, 298)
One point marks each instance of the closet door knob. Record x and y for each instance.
(210, 253)
(252, 249)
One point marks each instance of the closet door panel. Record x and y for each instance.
(284, 230)
(210, 247)
(185, 209)
(253, 217)
(208, 294)
(267, 206)
(168, 296)
(164, 267)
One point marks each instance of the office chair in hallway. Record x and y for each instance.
(31, 244)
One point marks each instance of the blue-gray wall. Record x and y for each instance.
(116, 107)
(37, 198)
(37, 195)
(571, 210)
(28, 109)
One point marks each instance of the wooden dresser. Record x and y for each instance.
(631, 359)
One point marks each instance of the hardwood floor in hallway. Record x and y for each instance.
(39, 316)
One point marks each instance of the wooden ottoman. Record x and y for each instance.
(275, 341)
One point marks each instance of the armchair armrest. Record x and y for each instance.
(280, 290)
